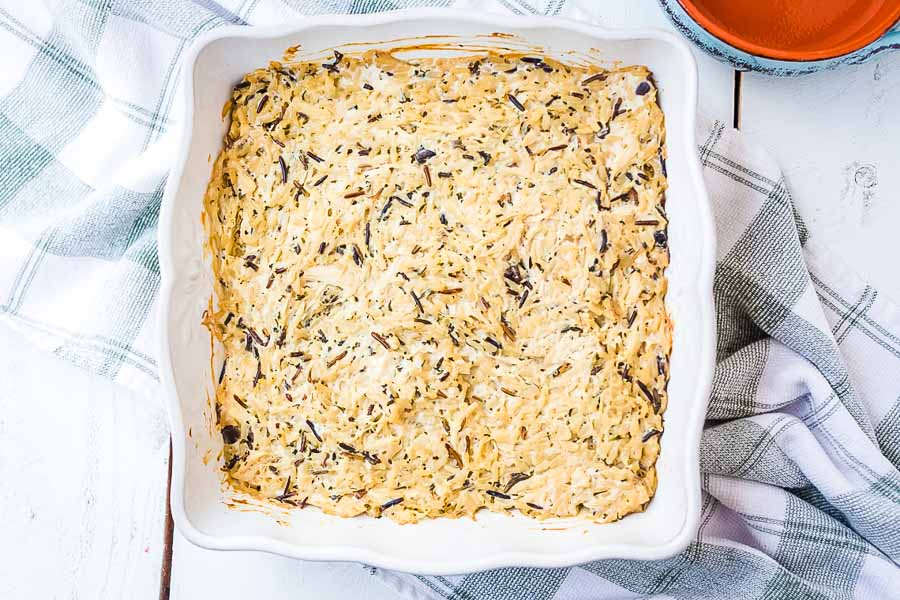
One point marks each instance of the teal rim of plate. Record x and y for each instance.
(744, 61)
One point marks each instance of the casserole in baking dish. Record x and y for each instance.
(214, 66)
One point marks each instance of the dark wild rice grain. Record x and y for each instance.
(381, 340)
(312, 428)
(231, 434)
(423, 154)
(594, 77)
(516, 478)
(515, 102)
(284, 169)
(649, 434)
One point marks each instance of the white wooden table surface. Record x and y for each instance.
(83, 463)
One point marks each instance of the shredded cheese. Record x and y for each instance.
(440, 286)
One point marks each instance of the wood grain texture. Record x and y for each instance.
(836, 136)
(165, 569)
(83, 466)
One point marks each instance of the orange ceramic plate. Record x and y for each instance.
(797, 30)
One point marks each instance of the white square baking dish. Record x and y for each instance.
(440, 546)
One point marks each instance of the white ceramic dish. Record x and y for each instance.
(440, 546)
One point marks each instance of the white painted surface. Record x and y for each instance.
(203, 573)
(82, 481)
(836, 136)
(83, 462)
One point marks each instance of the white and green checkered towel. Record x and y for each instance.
(801, 453)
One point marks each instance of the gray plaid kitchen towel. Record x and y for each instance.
(801, 453)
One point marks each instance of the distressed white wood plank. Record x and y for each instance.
(199, 573)
(836, 136)
(83, 465)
